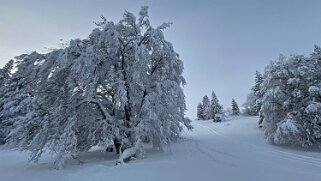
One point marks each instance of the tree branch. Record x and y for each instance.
(104, 112)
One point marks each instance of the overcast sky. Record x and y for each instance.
(222, 43)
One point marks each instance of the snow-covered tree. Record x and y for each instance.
(257, 91)
(215, 107)
(209, 109)
(19, 93)
(119, 87)
(200, 111)
(5, 74)
(235, 108)
(291, 100)
(206, 108)
(253, 103)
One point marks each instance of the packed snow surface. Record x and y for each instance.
(231, 150)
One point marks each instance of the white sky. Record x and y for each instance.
(222, 42)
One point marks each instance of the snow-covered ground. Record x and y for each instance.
(231, 150)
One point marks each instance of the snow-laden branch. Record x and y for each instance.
(102, 109)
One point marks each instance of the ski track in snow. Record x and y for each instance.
(230, 150)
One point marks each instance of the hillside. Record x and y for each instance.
(231, 150)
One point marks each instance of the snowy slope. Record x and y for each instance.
(231, 150)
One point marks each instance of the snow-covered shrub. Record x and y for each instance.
(291, 100)
(288, 131)
(120, 86)
(314, 91)
(219, 118)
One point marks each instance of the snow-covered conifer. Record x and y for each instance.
(206, 108)
(257, 90)
(5, 74)
(200, 111)
(19, 93)
(209, 109)
(215, 107)
(235, 108)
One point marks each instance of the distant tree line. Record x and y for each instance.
(212, 109)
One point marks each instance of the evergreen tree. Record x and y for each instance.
(257, 91)
(206, 108)
(19, 93)
(257, 86)
(209, 109)
(235, 108)
(215, 107)
(5, 74)
(200, 111)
